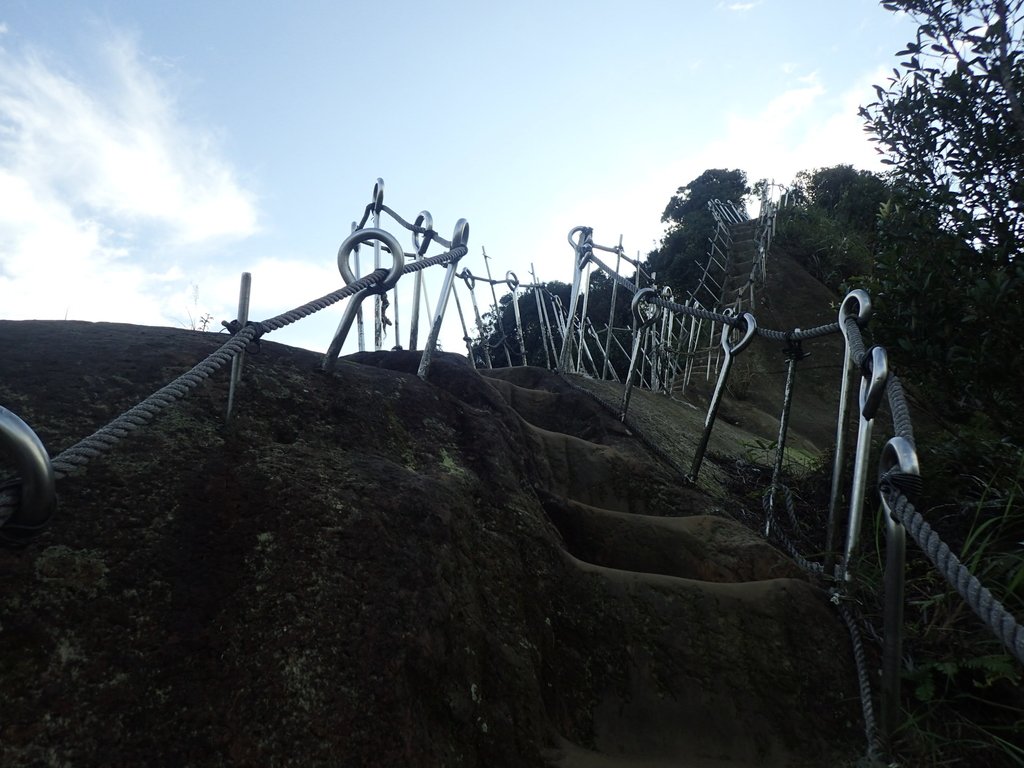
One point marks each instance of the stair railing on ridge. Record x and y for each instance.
(27, 503)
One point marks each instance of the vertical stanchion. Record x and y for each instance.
(872, 389)
(642, 325)
(898, 465)
(494, 295)
(378, 308)
(540, 317)
(794, 353)
(460, 239)
(730, 350)
(581, 256)
(513, 285)
(862, 301)
(611, 313)
(243, 317)
(484, 341)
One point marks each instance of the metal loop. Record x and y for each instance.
(748, 335)
(899, 465)
(585, 232)
(365, 236)
(426, 221)
(876, 373)
(511, 281)
(378, 196)
(460, 237)
(862, 299)
(644, 295)
(38, 494)
(466, 275)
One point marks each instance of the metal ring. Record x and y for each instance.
(748, 335)
(425, 220)
(646, 295)
(511, 281)
(378, 195)
(38, 494)
(901, 455)
(466, 275)
(876, 366)
(365, 236)
(864, 310)
(460, 237)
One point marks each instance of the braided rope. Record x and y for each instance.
(899, 409)
(75, 458)
(978, 597)
(784, 541)
(875, 747)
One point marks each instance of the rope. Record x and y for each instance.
(418, 230)
(979, 598)
(102, 440)
(875, 747)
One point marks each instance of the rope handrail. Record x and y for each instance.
(74, 458)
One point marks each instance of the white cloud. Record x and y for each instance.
(103, 188)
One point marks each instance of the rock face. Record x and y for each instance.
(365, 569)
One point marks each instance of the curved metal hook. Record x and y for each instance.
(511, 281)
(365, 236)
(861, 298)
(876, 374)
(646, 295)
(38, 495)
(378, 195)
(586, 232)
(748, 336)
(899, 454)
(460, 237)
(425, 220)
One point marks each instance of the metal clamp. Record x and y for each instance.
(38, 497)
(364, 236)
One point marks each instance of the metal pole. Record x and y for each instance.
(871, 392)
(730, 351)
(862, 301)
(243, 317)
(459, 240)
(794, 353)
(899, 455)
(378, 309)
(540, 316)
(359, 309)
(611, 312)
(494, 295)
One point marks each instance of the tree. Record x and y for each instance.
(952, 121)
(684, 248)
(949, 270)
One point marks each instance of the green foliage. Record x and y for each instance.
(684, 248)
(951, 119)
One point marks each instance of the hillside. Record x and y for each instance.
(367, 569)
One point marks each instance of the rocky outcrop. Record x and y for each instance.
(365, 569)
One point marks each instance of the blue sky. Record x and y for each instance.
(151, 152)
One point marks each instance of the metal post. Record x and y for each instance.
(642, 325)
(730, 350)
(484, 341)
(583, 318)
(898, 456)
(236, 363)
(425, 220)
(378, 309)
(459, 240)
(494, 295)
(611, 312)
(540, 316)
(872, 388)
(361, 332)
(862, 301)
(580, 258)
(465, 330)
(794, 353)
(513, 285)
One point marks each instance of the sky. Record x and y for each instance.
(150, 152)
